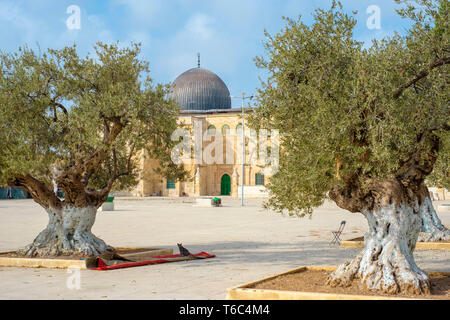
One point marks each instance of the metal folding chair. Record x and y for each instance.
(337, 234)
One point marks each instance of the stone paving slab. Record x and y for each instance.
(250, 243)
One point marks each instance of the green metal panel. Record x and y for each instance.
(259, 179)
(3, 193)
(19, 193)
(170, 184)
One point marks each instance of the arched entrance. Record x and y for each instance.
(225, 185)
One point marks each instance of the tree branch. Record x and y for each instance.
(98, 156)
(422, 74)
(59, 105)
(86, 177)
(38, 190)
(421, 162)
(105, 190)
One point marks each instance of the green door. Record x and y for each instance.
(225, 186)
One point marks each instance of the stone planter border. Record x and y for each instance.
(245, 292)
(419, 245)
(140, 253)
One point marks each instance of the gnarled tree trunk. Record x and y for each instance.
(70, 221)
(387, 263)
(68, 233)
(432, 227)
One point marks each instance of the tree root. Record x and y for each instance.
(387, 279)
(68, 233)
(435, 236)
(84, 245)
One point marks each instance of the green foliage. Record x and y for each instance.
(57, 110)
(344, 111)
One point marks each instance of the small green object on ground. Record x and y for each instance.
(110, 198)
(217, 201)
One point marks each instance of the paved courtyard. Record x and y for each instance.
(250, 243)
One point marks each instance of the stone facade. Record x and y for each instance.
(206, 178)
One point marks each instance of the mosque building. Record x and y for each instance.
(205, 112)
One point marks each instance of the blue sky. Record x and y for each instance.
(227, 33)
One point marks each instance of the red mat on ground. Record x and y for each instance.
(102, 266)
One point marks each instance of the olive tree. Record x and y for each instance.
(81, 123)
(364, 127)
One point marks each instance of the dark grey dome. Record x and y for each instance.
(200, 89)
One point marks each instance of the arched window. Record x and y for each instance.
(212, 130)
(259, 179)
(239, 128)
(170, 184)
(225, 129)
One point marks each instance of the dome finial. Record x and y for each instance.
(198, 56)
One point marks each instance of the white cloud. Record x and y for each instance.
(200, 27)
(97, 26)
(141, 36)
(16, 25)
(200, 33)
(141, 12)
